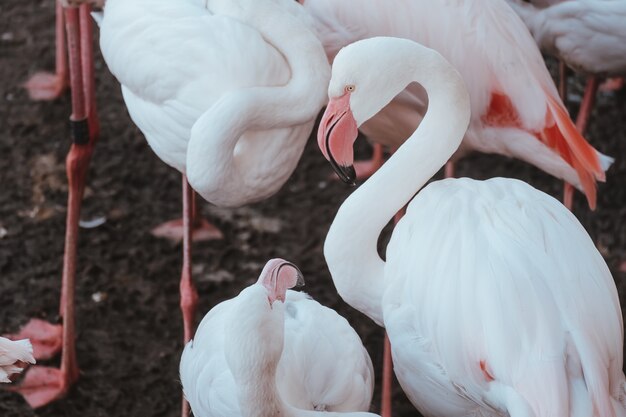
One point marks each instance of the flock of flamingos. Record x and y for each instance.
(493, 296)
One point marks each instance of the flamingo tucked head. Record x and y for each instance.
(277, 277)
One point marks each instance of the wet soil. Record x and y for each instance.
(129, 324)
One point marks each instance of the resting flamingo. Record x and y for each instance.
(516, 110)
(11, 353)
(587, 35)
(495, 299)
(271, 351)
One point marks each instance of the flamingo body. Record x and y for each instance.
(516, 110)
(516, 288)
(495, 299)
(175, 61)
(323, 365)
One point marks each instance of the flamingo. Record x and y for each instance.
(224, 91)
(11, 353)
(271, 351)
(495, 299)
(588, 35)
(516, 110)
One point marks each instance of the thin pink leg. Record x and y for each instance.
(43, 385)
(385, 406)
(47, 86)
(449, 170)
(188, 293)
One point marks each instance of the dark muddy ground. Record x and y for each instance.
(129, 325)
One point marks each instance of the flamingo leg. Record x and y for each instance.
(449, 170)
(188, 293)
(47, 86)
(42, 385)
(385, 406)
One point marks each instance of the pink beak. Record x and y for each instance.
(277, 277)
(336, 136)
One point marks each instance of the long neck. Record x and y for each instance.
(221, 166)
(351, 244)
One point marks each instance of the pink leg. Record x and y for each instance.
(47, 86)
(43, 385)
(385, 407)
(449, 170)
(188, 293)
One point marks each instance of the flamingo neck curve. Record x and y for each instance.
(220, 170)
(351, 244)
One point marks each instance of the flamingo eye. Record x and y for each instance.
(349, 88)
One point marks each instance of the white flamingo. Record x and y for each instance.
(224, 91)
(274, 352)
(516, 109)
(495, 299)
(587, 35)
(12, 352)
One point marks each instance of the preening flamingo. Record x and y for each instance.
(516, 110)
(11, 353)
(41, 384)
(271, 351)
(495, 299)
(588, 35)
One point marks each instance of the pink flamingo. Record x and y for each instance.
(589, 36)
(516, 110)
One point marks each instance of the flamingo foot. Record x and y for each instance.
(46, 338)
(173, 231)
(611, 85)
(42, 385)
(45, 86)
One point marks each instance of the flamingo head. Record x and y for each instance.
(366, 76)
(277, 277)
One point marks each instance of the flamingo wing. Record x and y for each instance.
(317, 339)
(169, 58)
(518, 311)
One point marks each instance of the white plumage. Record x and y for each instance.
(298, 355)
(516, 109)
(495, 299)
(589, 35)
(224, 91)
(12, 352)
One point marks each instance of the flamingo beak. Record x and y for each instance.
(277, 277)
(336, 136)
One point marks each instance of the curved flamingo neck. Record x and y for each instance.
(351, 244)
(228, 171)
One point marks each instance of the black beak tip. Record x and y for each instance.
(347, 174)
